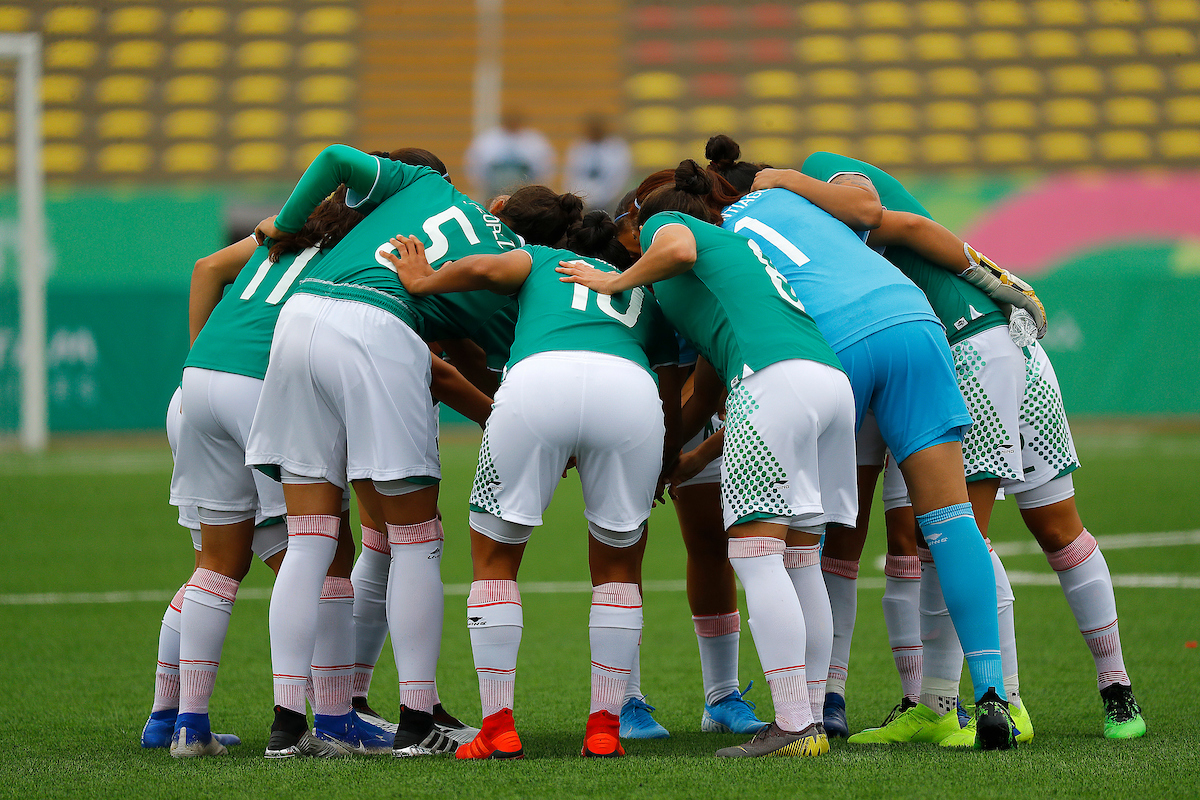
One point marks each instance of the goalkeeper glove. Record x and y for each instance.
(1003, 287)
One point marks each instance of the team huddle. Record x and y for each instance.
(759, 343)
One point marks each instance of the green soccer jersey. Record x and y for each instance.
(963, 309)
(237, 336)
(398, 200)
(733, 306)
(568, 316)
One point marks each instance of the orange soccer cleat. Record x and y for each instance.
(497, 739)
(601, 738)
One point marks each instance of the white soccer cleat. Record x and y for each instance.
(193, 744)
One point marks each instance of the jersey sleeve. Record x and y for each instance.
(892, 194)
(657, 223)
(369, 180)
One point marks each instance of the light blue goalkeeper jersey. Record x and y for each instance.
(849, 290)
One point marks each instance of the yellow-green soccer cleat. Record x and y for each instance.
(1022, 727)
(774, 741)
(1122, 715)
(917, 724)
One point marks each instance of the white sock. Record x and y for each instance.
(804, 568)
(718, 636)
(902, 615)
(614, 628)
(941, 652)
(777, 623)
(841, 582)
(332, 669)
(312, 541)
(370, 580)
(633, 687)
(166, 674)
(1087, 584)
(1008, 629)
(415, 604)
(495, 621)
(207, 605)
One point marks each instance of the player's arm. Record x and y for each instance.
(470, 360)
(210, 276)
(502, 273)
(673, 252)
(693, 461)
(850, 196)
(670, 382)
(704, 401)
(450, 387)
(333, 166)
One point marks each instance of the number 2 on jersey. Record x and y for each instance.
(285, 282)
(579, 302)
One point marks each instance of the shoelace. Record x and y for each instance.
(745, 692)
(896, 711)
(640, 702)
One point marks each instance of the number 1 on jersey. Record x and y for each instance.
(579, 302)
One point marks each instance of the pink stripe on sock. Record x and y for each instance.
(842, 567)
(375, 540)
(710, 627)
(313, 525)
(290, 695)
(621, 595)
(485, 593)
(1073, 554)
(923, 555)
(418, 695)
(166, 687)
(906, 567)
(754, 546)
(337, 589)
(428, 531)
(360, 686)
(195, 689)
(496, 694)
(608, 692)
(801, 557)
(790, 696)
(215, 584)
(908, 664)
(838, 673)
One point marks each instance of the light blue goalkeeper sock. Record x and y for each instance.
(969, 587)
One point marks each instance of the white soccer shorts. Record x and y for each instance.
(991, 376)
(712, 471)
(1048, 450)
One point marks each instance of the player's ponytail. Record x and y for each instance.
(539, 214)
(723, 153)
(595, 236)
(691, 190)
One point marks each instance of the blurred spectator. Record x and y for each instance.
(508, 157)
(598, 165)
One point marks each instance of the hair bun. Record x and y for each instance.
(572, 204)
(691, 178)
(722, 150)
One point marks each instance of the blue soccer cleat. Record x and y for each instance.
(193, 737)
(636, 722)
(160, 729)
(375, 739)
(732, 714)
(340, 731)
(833, 718)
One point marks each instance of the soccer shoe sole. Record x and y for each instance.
(801, 745)
(308, 745)
(435, 743)
(710, 725)
(490, 749)
(182, 748)
(1131, 729)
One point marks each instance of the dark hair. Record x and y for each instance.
(540, 215)
(695, 192)
(596, 236)
(722, 153)
(626, 210)
(416, 157)
(325, 227)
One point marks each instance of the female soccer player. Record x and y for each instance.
(578, 384)
(788, 467)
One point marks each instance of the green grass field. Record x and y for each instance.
(91, 517)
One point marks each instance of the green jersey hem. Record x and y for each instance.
(361, 294)
(992, 319)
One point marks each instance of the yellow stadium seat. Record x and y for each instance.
(191, 123)
(940, 47)
(61, 123)
(257, 123)
(6, 89)
(191, 157)
(952, 115)
(6, 124)
(199, 54)
(882, 48)
(303, 155)
(954, 81)
(1112, 42)
(327, 55)
(265, 21)
(1184, 111)
(200, 21)
(888, 150)
(257, 157)
(834, 83)
(71, 54)
(1187, 76)
(831, 118)
(943, 14)
(127, 158)
(823, 49)
(1125, 145)
(892, 117)
(1062, 146)
(1137, 78)
(324, 123)
(63, 159)
(773, 83)
(651, 120)
(1117, 12)
(1060, 12)
(135, 20)
(329, 20)
(1177, 10)
(713, 119)
(127, 123)
(1053, 44)
(1010, 114)
(779, 150)
(828, 144)
(191, 90)
(885, 14)
(8, 158)
(1179, 144)
(267, 90)
(775, 118)
(265, 54)
(135, 54)
(946, 148)
(826, 16)
(122, 90)
(61, 89)
(1131, 111)
(14, 19)
(70, 19)
(1169, 42)
(995, 45)
(1001, 13)
(1070, 112)
(895, 83)
(1016, 80)
(1005, 148)
(655, 86)
(651, 154)
(1077, 79)
(326, 89)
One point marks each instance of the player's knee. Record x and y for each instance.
(618, 539)
(499, 530)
